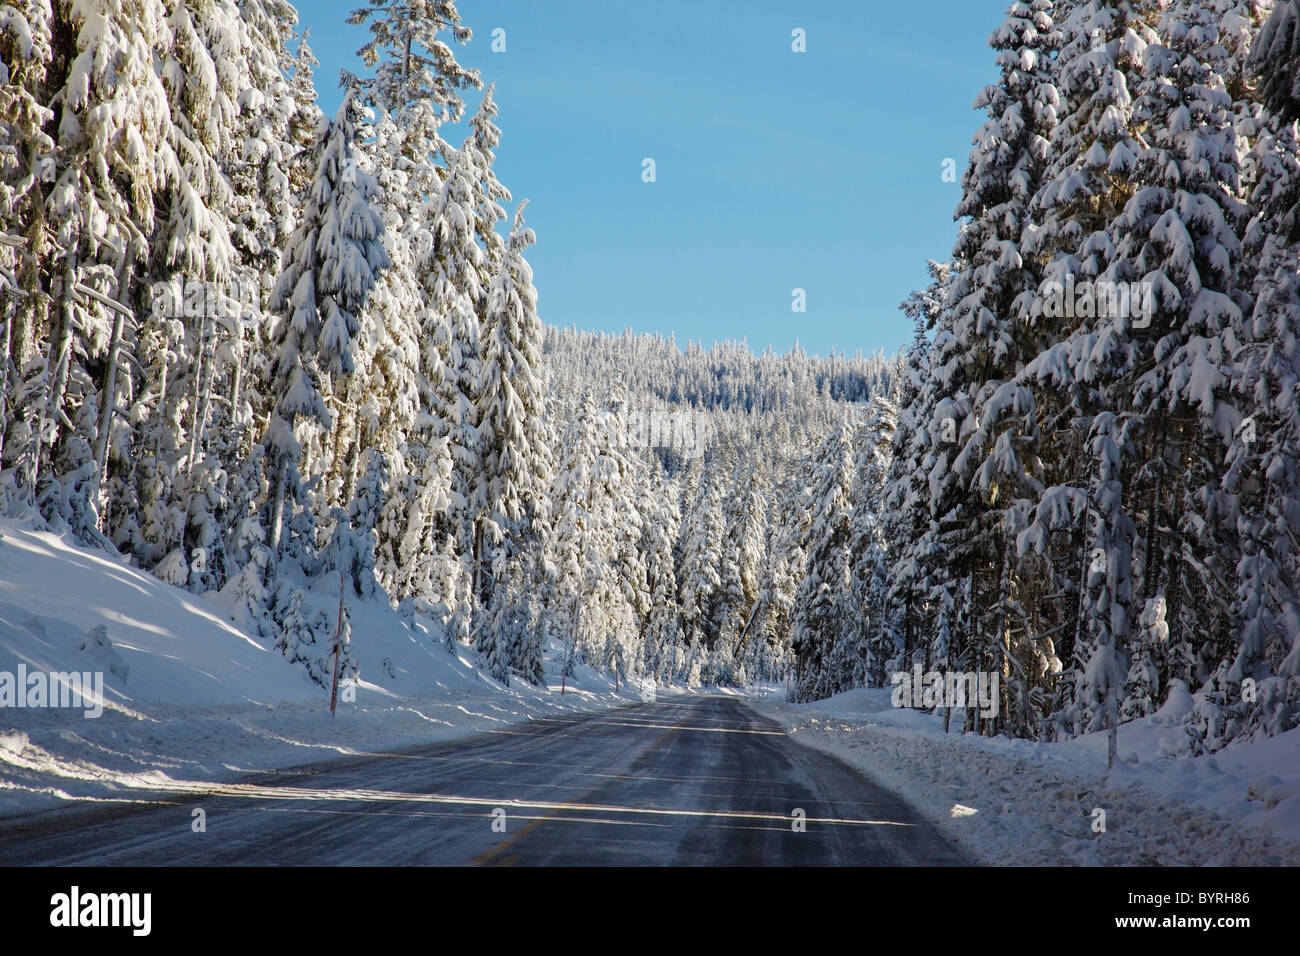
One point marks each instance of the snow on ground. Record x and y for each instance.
(201, 700)
(191, 698)
(1017, 802)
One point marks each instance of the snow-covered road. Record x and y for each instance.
(693, 780)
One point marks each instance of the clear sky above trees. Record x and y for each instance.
(775, 170)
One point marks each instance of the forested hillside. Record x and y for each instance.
(703, 457)
(1094, 489)
(250, 346)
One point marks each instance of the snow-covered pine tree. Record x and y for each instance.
(871, 634)
(351, 550)
(335, 256)
(112, 159)
(1176, 237)
(907, 490)
(1081, 530)
(782, 571)
(993, 288)
(450, 266)
(428, 562)
(204, 70)
(479, 148)
(624, 599)
(601, 596)
(701, 549)
(1275, 55)
(576, 531)
(1142, 690)
(746, 530)
(411, 62)
(1262, 480)
(415, 87)
(400, 415)
(1108, 606)
(26, 54)
(985, 336)
(311, 641)
(822, 612)
(511, 413)
(664, 648)
(246, 591)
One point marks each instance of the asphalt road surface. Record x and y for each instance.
(687, 781)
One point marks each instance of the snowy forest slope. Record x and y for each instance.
(1093, 488)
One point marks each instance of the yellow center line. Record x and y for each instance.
(486, 857)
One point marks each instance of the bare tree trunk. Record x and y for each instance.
(237, 374)
(110, 398)
(5, 361)
(1003, 632)
(1083, 584)
(1151, 562)
(60, 356)
(947, 711)
(110, 376)
(202, 391)
(1112, 723)
(277, 510)
(477, 557)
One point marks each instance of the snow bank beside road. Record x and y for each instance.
(1015, 802)
(196, 699)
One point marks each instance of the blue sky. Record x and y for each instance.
(775, 170)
